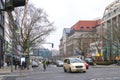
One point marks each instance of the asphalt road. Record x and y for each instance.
(57, 73)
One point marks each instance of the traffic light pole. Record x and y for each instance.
(52, 44)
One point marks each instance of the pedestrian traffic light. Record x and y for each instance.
(11, 4)
(17, 3)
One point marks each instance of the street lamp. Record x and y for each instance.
(52, 45)
(28, 60)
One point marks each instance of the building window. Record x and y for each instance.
(94, 27)
(81, 27)
(88, 27)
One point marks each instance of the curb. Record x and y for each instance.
(105, 66)
(2, 77)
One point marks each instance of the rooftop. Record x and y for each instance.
(86, 24)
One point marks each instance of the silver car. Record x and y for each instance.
(59, 63)
(34, 64)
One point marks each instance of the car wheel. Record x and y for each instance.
(84, 71)
(64, 70)
(69, 70)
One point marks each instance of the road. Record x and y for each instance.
(57, 73)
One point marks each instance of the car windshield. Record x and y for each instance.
(83, 61)
(88, 59)
(75, 60)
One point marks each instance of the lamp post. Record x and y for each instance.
(28, 60)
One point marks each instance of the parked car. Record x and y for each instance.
(89, 61)
(34, 64)
(74, 65)
(59, 63)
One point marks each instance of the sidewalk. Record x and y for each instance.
(106, 66)
(6, 71)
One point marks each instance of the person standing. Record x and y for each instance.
(44, 65)
(15, 63)
(117, 60)
(23, 65)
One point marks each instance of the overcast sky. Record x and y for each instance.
(65, 13)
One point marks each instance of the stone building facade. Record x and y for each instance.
(76, 40)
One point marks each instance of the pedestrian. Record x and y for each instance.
(19, 65)
(16, 64)
(117, 60)
(23, 65)
(44, 65)
(48, 63)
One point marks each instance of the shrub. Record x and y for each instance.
(104, 63)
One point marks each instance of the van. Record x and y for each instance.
(74, 65)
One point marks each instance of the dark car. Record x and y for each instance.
(89, 61)
(59, 63)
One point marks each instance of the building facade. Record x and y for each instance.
(76, 40)
(111, 31)
(1, 33)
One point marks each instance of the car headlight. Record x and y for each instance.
(72, 66)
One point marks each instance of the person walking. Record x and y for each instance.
(117, 60)
(44, 65)
(23, 65)
(15, 63)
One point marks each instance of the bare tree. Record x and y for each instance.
(98, 45)
(33, 27)
(84, 43)
(86, 39)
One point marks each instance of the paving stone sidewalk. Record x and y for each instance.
(6, 71)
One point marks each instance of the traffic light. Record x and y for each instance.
(52, 45)
(17, 3)
(11, 4)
